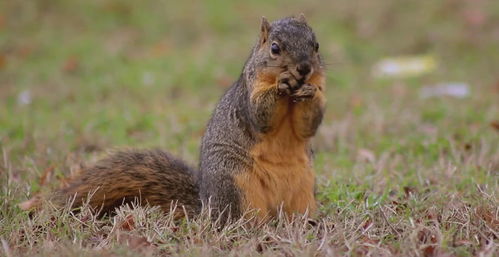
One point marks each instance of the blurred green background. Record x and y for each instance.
(80, 77)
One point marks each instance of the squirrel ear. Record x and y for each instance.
(301, 18)
(264, 30)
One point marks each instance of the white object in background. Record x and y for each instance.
(404, 66)
(454, 89)
(24, 98)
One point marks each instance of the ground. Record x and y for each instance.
(398, 173)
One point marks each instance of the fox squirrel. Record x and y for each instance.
(255, 153)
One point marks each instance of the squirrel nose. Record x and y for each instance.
(303, 68)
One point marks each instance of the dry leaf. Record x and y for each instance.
(71, 64)
(128, 224)
(430, 250)
(488, 216)
(3, 61)
(495, 125)
(31, 204)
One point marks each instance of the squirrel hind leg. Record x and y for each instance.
(147, 177)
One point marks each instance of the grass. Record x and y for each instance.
(397, 174)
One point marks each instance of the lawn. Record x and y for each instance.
(398, 173)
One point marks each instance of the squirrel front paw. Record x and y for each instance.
(287, 84)
(306, 91)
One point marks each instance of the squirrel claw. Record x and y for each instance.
(283, 89)
(307, 91)
(287, 84)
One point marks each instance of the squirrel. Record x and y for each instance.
(255, 152)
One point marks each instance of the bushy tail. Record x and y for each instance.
(152, 177)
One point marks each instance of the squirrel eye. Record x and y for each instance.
(316, 46)
(275, 49)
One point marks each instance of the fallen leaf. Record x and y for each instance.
(3, 61)
(495, 125)
(31, 204)
(128, 224)
(430, 250)
(488, 216)
(71, 64)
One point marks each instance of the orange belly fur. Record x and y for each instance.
(282, 175)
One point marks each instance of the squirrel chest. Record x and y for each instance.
(281, 175)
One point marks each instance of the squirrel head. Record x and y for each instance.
(288, 44)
